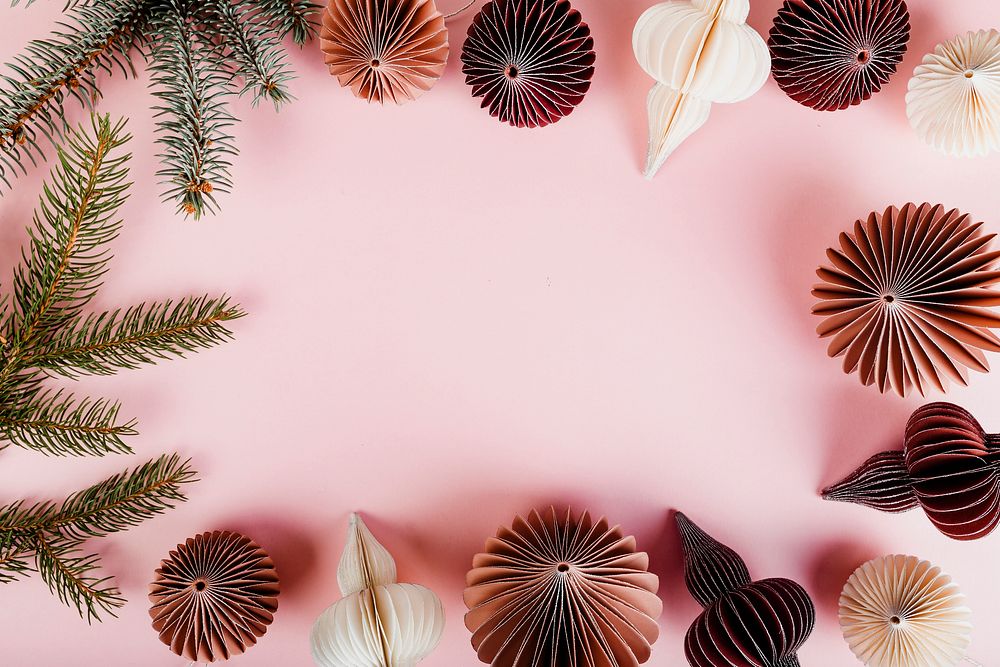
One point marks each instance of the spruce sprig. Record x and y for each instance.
(202, 54)
(45, 331)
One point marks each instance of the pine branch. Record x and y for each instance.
(296, 17)
(60, 424)
(258, 57)
(124, 500)
(101, 344)
(61, 271)
(97, 38)
(194, 120)
(69, 574)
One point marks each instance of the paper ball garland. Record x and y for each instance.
(900, 611)
(214, 596)
(948, 467)
(953, 100)
(699, 52)
(378, 623)
(831, 54)
(745, 623)
(907, 298)
(385, 50)
(530, 60)
(562, 590)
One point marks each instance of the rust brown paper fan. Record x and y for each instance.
(214, 596)
(562, 590)
(385, 50)
(907, 299)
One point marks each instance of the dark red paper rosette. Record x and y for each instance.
(214, 596)
(530, 60)
(948, 467)
(831, 54)
(745, 623)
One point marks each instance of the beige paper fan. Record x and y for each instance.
(953, 100)
(378, 623)
(562, 590)
(385, 50)
(900, 611)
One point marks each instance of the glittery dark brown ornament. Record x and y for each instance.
(530, 60)
(214, 596)
(831, 54)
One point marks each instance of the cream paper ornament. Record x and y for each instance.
(378, 623)
(900, 611)
(699, 52)
(953, 99)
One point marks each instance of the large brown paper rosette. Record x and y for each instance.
(385, 50)
(214, 596)
(563, 591)
(907, 300)
(831, 54)
(530, 60)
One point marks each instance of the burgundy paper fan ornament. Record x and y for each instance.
(948, 467)
(745, 623)
(385, 50)
(214, 596)
(562, 590)
(530, 60)
(907, 300)
(831, 54)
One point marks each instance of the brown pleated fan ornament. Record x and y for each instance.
(530, 60)
(385, 50)
(948, 466)
(214, 596)
(746, 623)
(831, 54)
(908, 298)
(562, 590)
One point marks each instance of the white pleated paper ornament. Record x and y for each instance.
(900, 611)
(378, 623)
(699, 52)
(953, 100)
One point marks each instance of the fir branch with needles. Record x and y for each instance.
(202, 53)
(45, 331)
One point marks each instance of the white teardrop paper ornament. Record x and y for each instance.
(699, 52)
(953, 99)
(378, 623)
(900, 611)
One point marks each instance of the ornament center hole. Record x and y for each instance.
(895, 620)
(511, 71)
(376, 63)
(888, 298)
(200, 585)
(969, 74)
(563, 567)
(863, 57)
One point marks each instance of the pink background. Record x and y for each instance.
(452, 321)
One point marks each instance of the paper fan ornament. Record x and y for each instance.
(530, 60)
(378, 622)
(953, 100)
(699, 52)
(900, 611)
(831, 54)
(745, 623)
(562, 590)
(907, 300)
(214, 596)
(948, 466)
(385, 50)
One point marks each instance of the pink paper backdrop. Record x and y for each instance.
(452, 321)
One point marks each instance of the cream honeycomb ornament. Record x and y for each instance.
(699, 52)
(378, 622)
